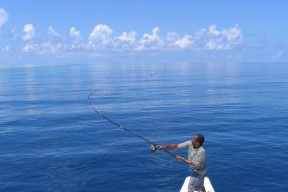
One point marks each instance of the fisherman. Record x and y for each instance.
(196, 160)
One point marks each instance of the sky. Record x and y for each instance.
(63, 31)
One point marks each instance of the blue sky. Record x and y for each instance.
(152, 30)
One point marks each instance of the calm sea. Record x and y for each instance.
(52, 140)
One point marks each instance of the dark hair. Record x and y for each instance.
(200, 139)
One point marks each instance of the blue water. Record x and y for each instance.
(52, 140)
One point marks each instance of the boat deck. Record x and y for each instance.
(207, 184)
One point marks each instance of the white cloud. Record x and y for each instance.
(52, 32)
(171, 37)
(101, 35)
(129, 38)
(184, 42)
(213, 39)
(213, 31)
(29, 31)
(3, 16)
(46, 47)
(147, 38)
(151, 41)
(233, 35)
(39, 46)
(75, 33)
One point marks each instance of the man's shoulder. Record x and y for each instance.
(185, 144)
(202, 150)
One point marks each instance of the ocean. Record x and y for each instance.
(52, 140)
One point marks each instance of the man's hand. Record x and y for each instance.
(179, 158)
(155, 147)
(182, 159)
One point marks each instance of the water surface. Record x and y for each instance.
(52, 140)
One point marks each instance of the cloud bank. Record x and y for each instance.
(104, 38)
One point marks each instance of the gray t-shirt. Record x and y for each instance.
(197, 156)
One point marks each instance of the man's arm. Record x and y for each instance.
(179, 158)
(188, 162)
(198, 161)
(171, 146)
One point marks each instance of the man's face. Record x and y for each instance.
(195, 143)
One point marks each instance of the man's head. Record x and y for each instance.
(198, 141)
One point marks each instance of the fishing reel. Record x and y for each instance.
(155, 147)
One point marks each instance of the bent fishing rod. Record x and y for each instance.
(154, 146)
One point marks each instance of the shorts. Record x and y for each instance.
(196, 182)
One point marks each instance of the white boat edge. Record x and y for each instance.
(207, 184)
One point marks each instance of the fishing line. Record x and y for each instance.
(154, 146)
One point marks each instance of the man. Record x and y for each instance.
(196, 160)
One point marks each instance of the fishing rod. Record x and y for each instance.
(154, 146)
